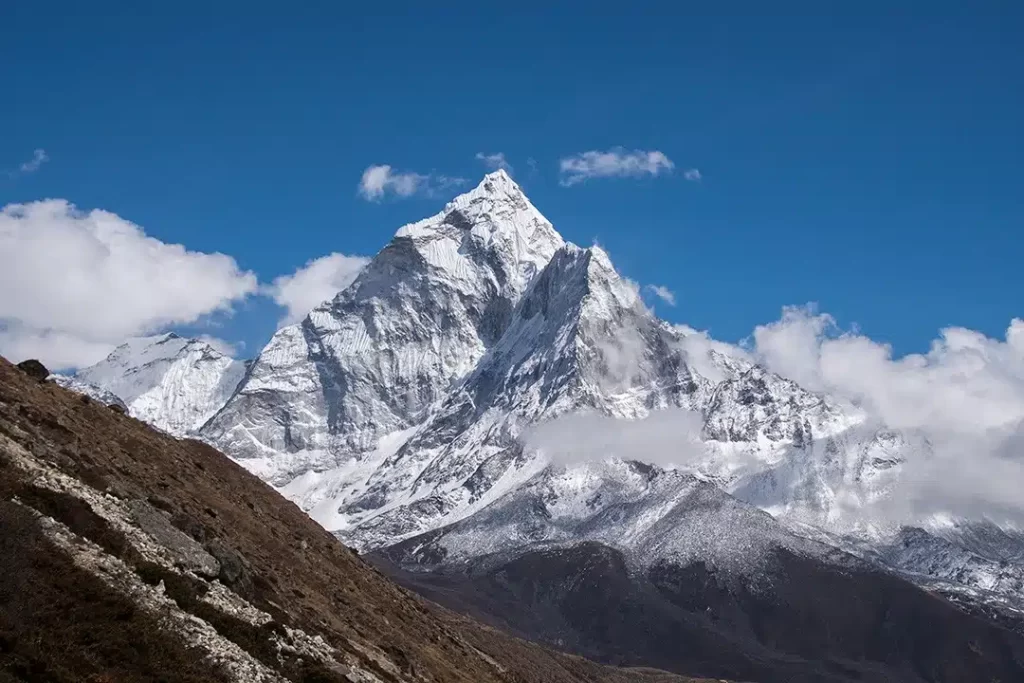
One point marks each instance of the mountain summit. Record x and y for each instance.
(373, 361)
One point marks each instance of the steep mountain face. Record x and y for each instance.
(133, 556)
(580, 339)
(171, 382)
(374, 360)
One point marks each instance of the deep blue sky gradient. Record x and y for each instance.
(867, 158)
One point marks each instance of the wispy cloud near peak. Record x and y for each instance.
(663, 293)
(380, 181)
(39, 157)
(617, 162)
(495, 161)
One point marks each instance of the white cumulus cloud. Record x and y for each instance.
(966, 383)
(663, 293)
(964, 397)
(693, 175)
(319, 280)
(74, 284)
(791, 346)
(380, 181)
(56, 349)
(613, 163)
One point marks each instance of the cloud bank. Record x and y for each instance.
(75, 284)
(966, 383)
(964, 398)
(613, 163)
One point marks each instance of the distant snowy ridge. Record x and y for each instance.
(174, 383)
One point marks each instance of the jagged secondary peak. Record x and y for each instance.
(173, 382)
(612, 353)
(121, 371)
(579, 281)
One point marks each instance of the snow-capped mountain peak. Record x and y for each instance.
(403, 404)
(378, 358)
(482, 210)
(172, 382)
(579, 339)
(494, 221)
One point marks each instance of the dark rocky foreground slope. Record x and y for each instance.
(128, 555)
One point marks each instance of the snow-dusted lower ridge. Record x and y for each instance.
(438, 388)
(648, 513)
(94, 392)
(172, 382)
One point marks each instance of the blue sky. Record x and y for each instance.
(867, 159)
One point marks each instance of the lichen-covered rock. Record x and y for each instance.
(234, 570)
(188, 553)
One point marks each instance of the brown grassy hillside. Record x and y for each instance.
(129, 555)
